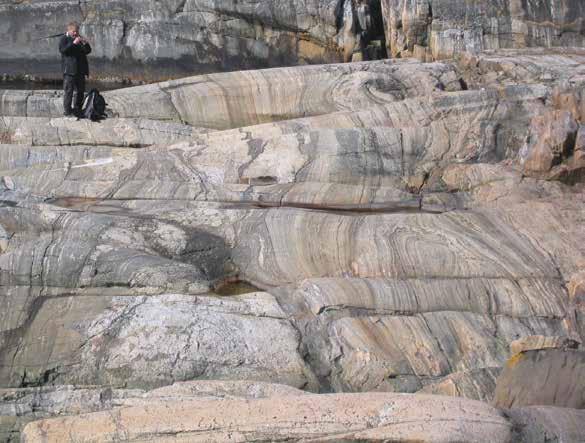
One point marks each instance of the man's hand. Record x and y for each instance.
(77, 40)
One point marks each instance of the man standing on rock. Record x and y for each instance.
(74, 50)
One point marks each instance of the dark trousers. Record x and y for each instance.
(71, 83)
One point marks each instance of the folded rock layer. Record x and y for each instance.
(366, 251)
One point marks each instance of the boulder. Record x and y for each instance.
(551, 140)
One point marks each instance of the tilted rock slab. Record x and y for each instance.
(562, 369)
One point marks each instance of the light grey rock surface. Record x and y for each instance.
(139, 40)
(152, 40)
(438, 29)
(153, 341)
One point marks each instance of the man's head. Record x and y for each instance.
(73, 29)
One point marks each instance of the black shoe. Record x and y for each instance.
(77, 113)
(68, 114)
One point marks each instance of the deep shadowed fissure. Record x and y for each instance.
(377, 32)
(367, 25)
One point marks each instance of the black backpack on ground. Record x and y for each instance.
(94, 106)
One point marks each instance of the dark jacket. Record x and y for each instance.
(74, 57)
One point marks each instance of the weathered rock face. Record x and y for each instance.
(201, 411)
(152, 40)
(439, 29)
(540, 424)
(399, 226)
(20, 406)
(101, 340)
(357, 417)
(563, 389)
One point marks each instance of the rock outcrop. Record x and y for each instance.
(563, 372)
(22, 405)
(203, 411)
(440, 29)
(337, 252)
(137, 40)
(147, 41)
(341, 417)
(539, 424)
